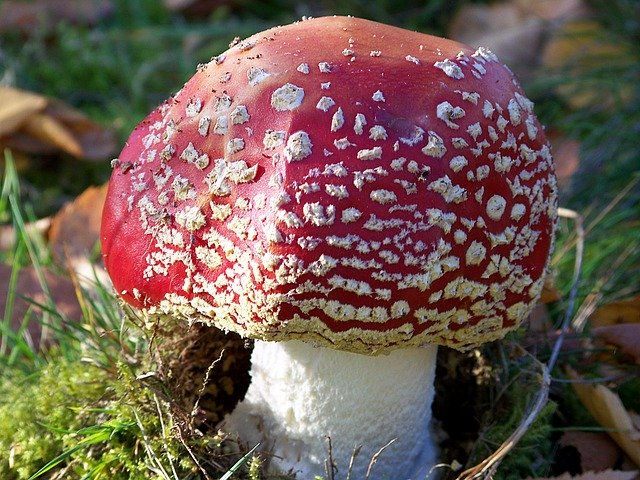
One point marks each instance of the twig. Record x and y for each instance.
(575, 282)
(375, 457)
(590, 304)
(164, 437)
(489, 465)
(354, 454)
(329, 465)
(192, 455)
(205, 381)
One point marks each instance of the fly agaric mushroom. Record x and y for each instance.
(350, 195)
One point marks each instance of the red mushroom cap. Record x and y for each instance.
(340, 181)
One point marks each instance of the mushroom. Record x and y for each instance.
(350, 195)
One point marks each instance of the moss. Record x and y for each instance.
(533, 454)
(83, 421)
(36, 409)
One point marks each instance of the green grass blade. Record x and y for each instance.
(57, 461)
(236, 466)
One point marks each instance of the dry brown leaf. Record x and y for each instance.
(539, 322)
(16, 106)
(29, 290)
(597, 450)
(626, 336)
(606, 475)
(49, 130)
(624, 311)
(75, 230)
(35, 124)
(97, 141)
(607, 408)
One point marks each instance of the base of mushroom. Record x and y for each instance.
(301, 396)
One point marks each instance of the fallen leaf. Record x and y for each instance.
(97, 141)
(597, 450)
(75, 229)
(623, 311)
(16, 106)
(607, 408)
(550, 292)
(29, 292)
(539, 322)
(74, 234)
(605, 475)
(49, 130)
(35, 124)
(626, 336)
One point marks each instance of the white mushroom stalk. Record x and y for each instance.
(301, 396)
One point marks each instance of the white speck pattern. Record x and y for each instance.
(325, 103)
(287, 97)
(451, 68)
(378, 96)
(257, 75)
(412, 59)
(281, 194)
(298, 146)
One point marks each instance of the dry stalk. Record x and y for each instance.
(329, 465)
(354, 454)
(592, 300)
(487, 468)
(489, 465)
(564, 212)
(192, 455)
(205, 382)
(375, 457)
(164, 435)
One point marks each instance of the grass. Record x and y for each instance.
(105, 401)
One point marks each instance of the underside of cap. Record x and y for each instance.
(342, 182)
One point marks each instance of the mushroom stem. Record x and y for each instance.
(301, 395)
